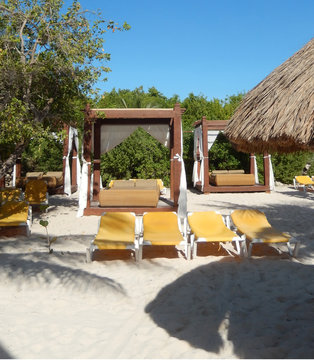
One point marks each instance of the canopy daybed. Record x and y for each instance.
(205, 134)
(59, 182)
(106, 128)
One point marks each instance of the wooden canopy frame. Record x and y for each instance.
(207, 188)
(94, 118)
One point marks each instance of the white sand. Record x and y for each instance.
(215, 306)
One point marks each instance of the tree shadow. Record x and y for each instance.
(263, 308)
(4, 353)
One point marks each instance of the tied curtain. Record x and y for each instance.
(113, 135)
(73, 136)
(198, 146)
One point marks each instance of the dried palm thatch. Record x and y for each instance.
(278, 113)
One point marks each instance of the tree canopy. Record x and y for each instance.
(47, 56)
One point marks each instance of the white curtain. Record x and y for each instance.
(271, 175)
(83, 187)
(14, 175)
(182, 200)
(255, 169)
(198, 145)
(73, 135)
(211, 137)
(113, 135)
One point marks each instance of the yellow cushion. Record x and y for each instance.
(210, 226)
(254, 224)
(116, 231)
(123, 184)
(8, 194)
(35, 191)
(161, 228)
(304, 180)
(13, 213)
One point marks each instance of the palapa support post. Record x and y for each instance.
(252, 164)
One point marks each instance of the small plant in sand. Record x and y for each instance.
(45, 224)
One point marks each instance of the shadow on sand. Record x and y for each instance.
(263, 308)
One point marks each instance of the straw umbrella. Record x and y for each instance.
(278, 114)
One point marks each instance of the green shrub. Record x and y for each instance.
(139, 156)
(222, 156)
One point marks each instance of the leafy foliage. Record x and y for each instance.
(222, 156)
(139, 157)
(47, 68)
(285, 166)
(43, 155)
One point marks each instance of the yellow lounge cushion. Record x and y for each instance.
(209, 226)
(161, 228)
(116, 231)
(9, 194)
(304, 180)
(36, 192)
(13, 213)
(254, 224)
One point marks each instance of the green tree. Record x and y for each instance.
(47, 56)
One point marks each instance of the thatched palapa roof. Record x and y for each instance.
(278, 113)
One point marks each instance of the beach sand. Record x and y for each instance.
(215, 306)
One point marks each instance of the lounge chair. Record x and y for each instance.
(304, 182)
(116, 231)
(209, 226)
(254, 224)
(15, 218)
(164, 228)
(36, 192)
(10, 194)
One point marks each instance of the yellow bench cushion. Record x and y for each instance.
(14, 213)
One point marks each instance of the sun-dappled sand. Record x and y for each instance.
(215, 306)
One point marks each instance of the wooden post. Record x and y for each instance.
(205, 151)
(96, 185)
(176, 150)
(252, 165)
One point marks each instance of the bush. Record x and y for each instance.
(139, 156)
(222, 156)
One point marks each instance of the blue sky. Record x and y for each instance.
(211, 48)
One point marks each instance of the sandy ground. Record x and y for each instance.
(215, 306)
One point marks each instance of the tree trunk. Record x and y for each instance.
(7, 165)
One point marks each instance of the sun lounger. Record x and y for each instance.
(165, 229)
(304, 182)
(15, 218)
(116, 231)
(209, 226)
(254, 224)
(36, 192)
